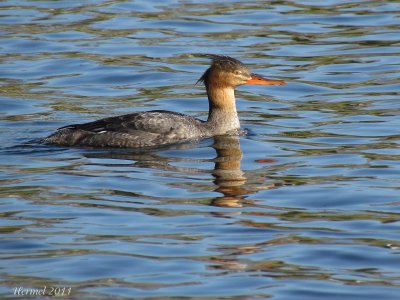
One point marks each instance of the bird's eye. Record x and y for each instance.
(237, 72)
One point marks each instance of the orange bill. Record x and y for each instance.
(258, 79)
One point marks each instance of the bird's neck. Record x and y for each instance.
(222, 115)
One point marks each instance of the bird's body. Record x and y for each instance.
(141, 129)
(160, 127)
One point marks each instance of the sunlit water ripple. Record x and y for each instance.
(306, 206)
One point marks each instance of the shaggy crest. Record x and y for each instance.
(221, 62)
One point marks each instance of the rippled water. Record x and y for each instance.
(304, 207)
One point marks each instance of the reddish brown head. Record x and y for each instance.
(227, 71)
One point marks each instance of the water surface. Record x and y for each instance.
(306, 206)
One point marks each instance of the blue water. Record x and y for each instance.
(306, 206)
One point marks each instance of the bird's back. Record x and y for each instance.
(141, 129)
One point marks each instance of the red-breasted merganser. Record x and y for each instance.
(160, 127)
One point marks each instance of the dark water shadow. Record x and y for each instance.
(228, 176)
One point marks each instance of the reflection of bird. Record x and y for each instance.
(228, 176)
(159, 127)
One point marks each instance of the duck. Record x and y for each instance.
(161, 127)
